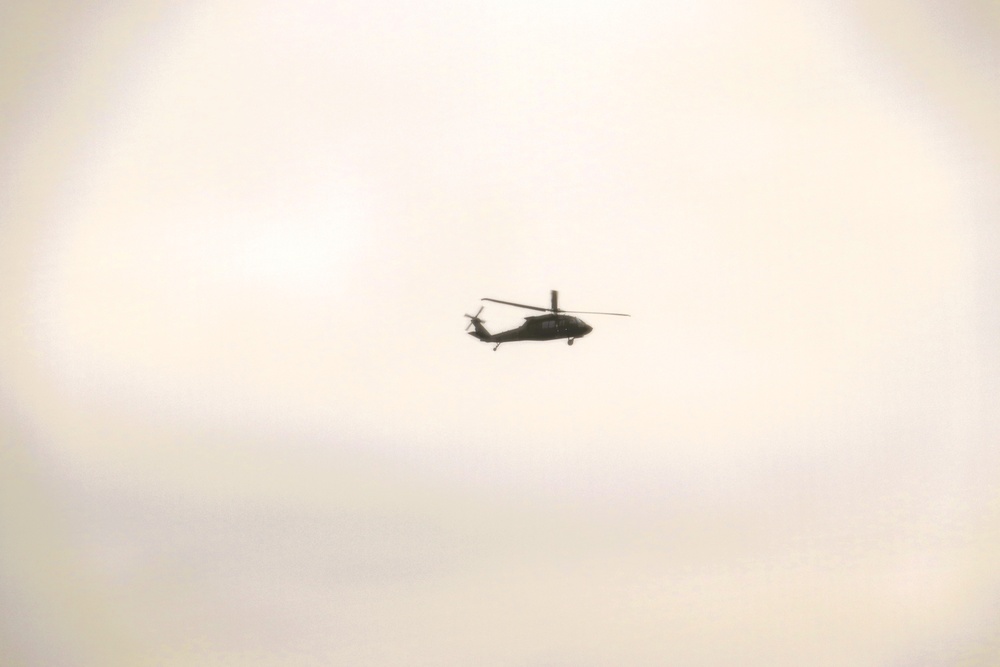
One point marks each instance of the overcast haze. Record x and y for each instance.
(241, 421)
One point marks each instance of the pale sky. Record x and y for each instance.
(241, 421)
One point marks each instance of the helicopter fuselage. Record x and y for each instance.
(548, 327)
(540, 327)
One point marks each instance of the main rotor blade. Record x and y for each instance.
(519, 305)
(593, 312)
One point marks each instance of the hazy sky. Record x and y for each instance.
(240, 420)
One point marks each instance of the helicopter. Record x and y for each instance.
(555, 324)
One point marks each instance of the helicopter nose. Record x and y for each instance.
(586, 329)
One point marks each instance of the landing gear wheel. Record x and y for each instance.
(569, 342)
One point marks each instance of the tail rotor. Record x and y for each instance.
(474, 319)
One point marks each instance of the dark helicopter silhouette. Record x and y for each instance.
(551, 326)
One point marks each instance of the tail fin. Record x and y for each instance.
(480, 331)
